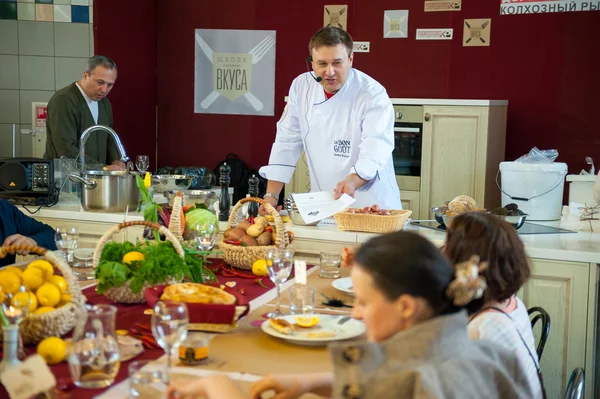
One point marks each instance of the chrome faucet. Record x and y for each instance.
(86, 134)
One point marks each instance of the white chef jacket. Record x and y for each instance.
(352, 132)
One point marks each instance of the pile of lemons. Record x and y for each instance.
(47, 291)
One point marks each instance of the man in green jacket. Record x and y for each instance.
(78, 106)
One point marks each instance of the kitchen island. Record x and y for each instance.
(564, 279)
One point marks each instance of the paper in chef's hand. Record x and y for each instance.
(320, 205)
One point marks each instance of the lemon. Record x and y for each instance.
(52, 349)
(33, 278)
(21, 298)
(9, 281)
(16, 270)
(45, 266)
(133, 256)
(48, 295)
(43, 309)
(306, 321)
(64, 299)
(60, 282)
(259, 268)
(2, 296)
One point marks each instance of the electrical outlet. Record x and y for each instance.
(362, 47)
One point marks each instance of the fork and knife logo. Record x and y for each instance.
(232, 72)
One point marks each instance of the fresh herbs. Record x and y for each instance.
(151, 208)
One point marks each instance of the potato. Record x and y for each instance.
(243, 225)
(255, 230)
(233, 234)
(262, 220)
(264, 238)
(248, 240)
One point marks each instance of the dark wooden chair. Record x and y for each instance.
(576, 384)
(536, 314)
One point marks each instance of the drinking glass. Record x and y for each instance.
(205, 236)
(330, 265)
(279, 267)
(66, 241)
(146, 380)
(142, 163)
(169, 326)
(302, 299)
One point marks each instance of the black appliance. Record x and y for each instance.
(28, 181)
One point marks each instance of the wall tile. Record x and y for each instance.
(44, 1)
(35, 38)
(44, 12)
(6, 137)
(62, 2)
(68, 70)
(80, 2)
(26, 12)
(8, 10)
(36, 73)
(26, 141)
(91, 40)
(80, 14)
(9, 106)
(9, 44)
(9, 73)
(71, 40)
(26, 97)
(62, 13)
(25, 1)
(91, 14)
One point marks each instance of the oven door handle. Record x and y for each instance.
(407, 129)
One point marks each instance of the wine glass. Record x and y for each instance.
(66, 241)
(279, 267)
(205, 236)
(169, 326)
(142, 163)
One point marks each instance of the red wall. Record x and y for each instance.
(126, 32)
(545, 65)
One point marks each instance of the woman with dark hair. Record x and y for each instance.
(499, 315)
(417, 344)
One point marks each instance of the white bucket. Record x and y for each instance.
(536, 188)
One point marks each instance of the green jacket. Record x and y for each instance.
(68, 116)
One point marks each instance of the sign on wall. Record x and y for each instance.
(477, 32)
(234, 72)
(336, 16)
(442, 5)
(395, 23)
(512, 7)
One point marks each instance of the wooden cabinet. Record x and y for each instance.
(563, 290)
(411, 201)
(300, 182)
(462, 149)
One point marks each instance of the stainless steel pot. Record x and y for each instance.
(163, 183)
(206, 197)
(107, 190)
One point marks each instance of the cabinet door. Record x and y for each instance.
(300, 182)
(561, 288)
(410, 201)
(89, 232)
(454, 153)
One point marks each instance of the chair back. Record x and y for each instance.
(576, 384)
(539, 314)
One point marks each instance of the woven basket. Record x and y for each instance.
(36, 327)
(244, 257)
(123, 294)
(395, 221)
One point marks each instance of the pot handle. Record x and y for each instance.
(88, 184)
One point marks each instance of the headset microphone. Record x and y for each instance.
(316, 78)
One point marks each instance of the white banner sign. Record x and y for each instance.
(434, 34)
(512, 7)
(234, 72)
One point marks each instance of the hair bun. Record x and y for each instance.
(467, 285)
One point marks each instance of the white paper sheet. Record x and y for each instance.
(320, 205)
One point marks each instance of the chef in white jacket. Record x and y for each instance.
(344, 121)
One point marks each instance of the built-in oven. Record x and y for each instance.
(408, 137)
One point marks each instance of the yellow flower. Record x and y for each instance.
(147, 181)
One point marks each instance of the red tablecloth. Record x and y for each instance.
(128, 315)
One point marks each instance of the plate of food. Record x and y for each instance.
(313, 329)
(343, 284)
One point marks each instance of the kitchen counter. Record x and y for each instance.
(447, 101)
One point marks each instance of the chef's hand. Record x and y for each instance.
(348, 186)
(18, 239)
(116, 165)
(271, 201)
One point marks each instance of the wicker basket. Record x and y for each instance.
(60, 321)
(123, 294)
(244, 257)
(395, 221)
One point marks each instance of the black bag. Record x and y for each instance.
(240, 173)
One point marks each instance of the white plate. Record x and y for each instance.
(349, 328)
(343, 284)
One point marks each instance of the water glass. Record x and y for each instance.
(147, 380)
(66, 239)
(205, 236)
(142, 163)
(169, 326)
(302, 299)
(83, 265)
(330, 265)
(279, 267)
